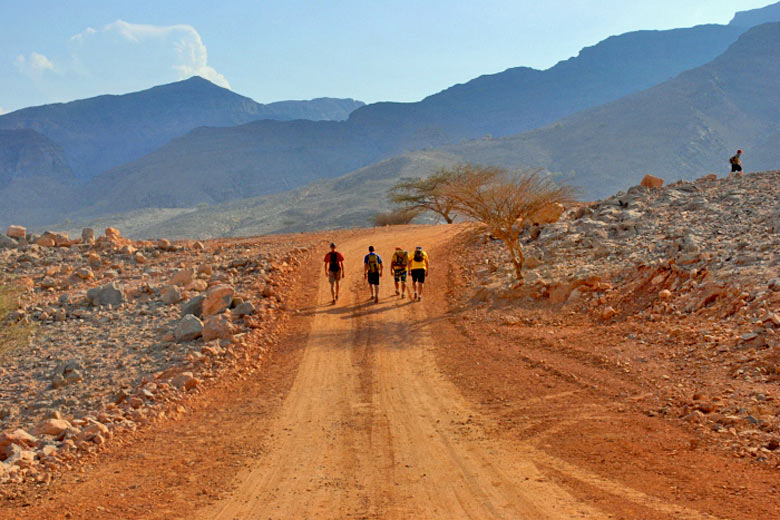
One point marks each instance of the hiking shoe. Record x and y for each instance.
(415, 296)
(396, 292)
(333, 302)
(403, 295)
(376, 299)
(419, 298)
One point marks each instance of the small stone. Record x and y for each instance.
(217, 300)
(140, 258)
(217, 327)
(112, 233)
(194, 306)
(171, 295)
(665, 294)
(164, 244)
(109, 294)
(189, 328)
(244, 309)
(183, 276)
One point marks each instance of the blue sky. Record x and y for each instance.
(402, 50)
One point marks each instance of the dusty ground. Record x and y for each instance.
(425, 410)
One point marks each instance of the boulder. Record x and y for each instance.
(183, 276)
(16, 232)
(649, 181)
(127, 249)
(18, 436)
(205, 269)
(164, 244)
(53, 427)
(185, 380)
(194, 306)
(87, 235)
(198, 246)
(171, 295)
(217, 327)
(218, 299)
(188, 328)
(112, 233)
(140, 258)
(45, 241)
(109, 294)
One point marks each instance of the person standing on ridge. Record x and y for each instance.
(736, 164)
(400, 265)
(334, 270)
(418, 269)
(372, 271)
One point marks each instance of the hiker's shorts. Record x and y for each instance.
(418, 275)
(399, 275)
(736, 168)
(373, 278)
(334, 276)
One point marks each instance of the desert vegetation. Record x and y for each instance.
(504, 201)
(13, 332)
(396, 217)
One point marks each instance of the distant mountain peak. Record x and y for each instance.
(753, 17)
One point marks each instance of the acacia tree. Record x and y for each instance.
(504, 201)
(427, 194)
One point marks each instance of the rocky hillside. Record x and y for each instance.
(103, 132)
(124, 333)
(689, 275)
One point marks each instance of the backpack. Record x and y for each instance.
(400, 259)
(373, 264)
(418, 256)
(733, 159)
(334, 262)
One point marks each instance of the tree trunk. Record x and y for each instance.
(517, 258)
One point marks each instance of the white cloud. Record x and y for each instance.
(34, 64)
(177, 47)
(2, 111)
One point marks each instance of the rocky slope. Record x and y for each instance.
(123, 332)
(686, 278)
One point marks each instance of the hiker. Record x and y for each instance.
(736, 164)
(372, 271)
(334, 270)
(418, 268)
(400, 265)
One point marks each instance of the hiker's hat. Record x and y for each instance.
(739, 151)
(370, 248)
(332, 244)
(418, 248)
(398, 248)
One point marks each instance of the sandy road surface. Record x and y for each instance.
(370, 429)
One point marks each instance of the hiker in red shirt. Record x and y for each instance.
(334, 270)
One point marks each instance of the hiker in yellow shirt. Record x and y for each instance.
(418, 268)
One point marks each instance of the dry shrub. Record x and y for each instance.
(395, 217)
(504, 201)
(13, 333)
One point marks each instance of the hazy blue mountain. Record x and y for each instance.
(684, 128)
(35, 180)
(102, 132)
(218, 164)
(753, 17)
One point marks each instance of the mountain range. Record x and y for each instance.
(681, 129)
(103, 132)
(642, 101)
(213, 165)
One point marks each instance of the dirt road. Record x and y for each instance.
(354, 417)
(371, 430)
